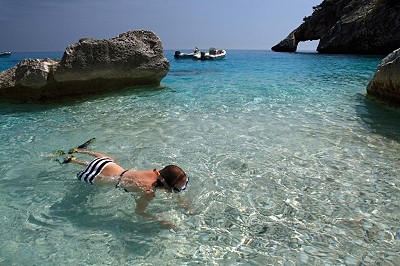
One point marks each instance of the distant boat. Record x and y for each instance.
(213, 54)
(5, 54)
(195, 52)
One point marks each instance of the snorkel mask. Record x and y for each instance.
(172, 189)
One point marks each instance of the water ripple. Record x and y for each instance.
(289, 165)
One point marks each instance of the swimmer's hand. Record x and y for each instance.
(165, 224)
(169, 225)
(185, 204)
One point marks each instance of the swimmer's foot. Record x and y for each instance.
(72, 150)
(67, 159)
(82, 146)
(87, 143)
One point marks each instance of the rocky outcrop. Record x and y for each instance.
(87, 67)
(349, 27)
(385, 85)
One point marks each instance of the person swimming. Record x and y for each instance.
(103, 170)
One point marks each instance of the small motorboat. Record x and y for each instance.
(195, 52)
(5, 53)
(213, 54)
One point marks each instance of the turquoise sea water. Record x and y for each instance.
(289, 164)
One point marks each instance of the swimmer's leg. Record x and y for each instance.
(72, 159)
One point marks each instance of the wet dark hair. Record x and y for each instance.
(172, 175)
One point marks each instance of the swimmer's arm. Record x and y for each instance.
(92, 153)
(141, 204)
(143, 201)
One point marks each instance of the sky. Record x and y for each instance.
(52, 25)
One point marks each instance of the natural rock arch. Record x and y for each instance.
(349, 26)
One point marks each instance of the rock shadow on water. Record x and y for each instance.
(14, 106)
(379, 118)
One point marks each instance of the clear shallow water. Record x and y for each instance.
(290, 164)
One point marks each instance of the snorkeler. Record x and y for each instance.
(104, 171)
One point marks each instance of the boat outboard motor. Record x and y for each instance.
(177, 53)
(202, 55)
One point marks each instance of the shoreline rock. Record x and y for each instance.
(349, 27)
(385, 84)
(89, 66)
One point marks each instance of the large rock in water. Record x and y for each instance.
(385, 85)
(349, 27)
(88, 67)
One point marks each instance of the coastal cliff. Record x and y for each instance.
(349, 27)
(89, 67)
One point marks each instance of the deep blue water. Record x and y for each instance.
(289, 163)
